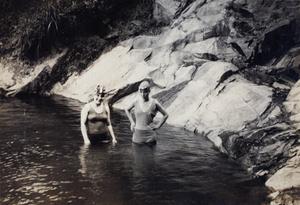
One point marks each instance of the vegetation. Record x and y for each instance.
(33, 29)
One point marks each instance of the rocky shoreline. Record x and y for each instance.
(226, 69)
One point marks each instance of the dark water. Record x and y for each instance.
(43, 161)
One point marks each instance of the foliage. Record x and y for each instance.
(41, 26)
(41, 23)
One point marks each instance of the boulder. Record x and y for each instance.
(165, 10)
(293, 104)
(221, 68)
(287, 177)
(285, 182)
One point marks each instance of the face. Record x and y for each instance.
(145, 92)
(98, 98)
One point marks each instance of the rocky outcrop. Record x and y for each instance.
(78, 31)
(166, 10)
(224, 69)
(285, 182)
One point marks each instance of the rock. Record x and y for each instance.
(220, 68)
(285, 178)
(293, 104)
(212, 46)
(114, 74)
(192, 25)
(274, 194)
(7, 76)
(291, 59)
(184, 74)
(215, 9)
(165, 10)
(36, 85)
(143, 42)
(204, 81)
(270, 51)
(25, 79)
(249, 103)
(171, 36)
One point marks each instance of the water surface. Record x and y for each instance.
(44, 161)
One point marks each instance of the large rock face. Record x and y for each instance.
(285, 182)
(221, 68)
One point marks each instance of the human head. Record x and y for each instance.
(144, 89)
(99, 94)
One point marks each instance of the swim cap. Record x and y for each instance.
(99, 89)
(144, 85)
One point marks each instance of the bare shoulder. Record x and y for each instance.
(86, 107)
(134, 102)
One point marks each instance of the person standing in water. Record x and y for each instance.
(145, 109)
(95, 120)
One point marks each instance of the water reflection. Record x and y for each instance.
(82, 155)
(52, 166)
(144, 160)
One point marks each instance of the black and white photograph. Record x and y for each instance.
(150, 102)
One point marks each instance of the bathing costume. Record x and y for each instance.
(96, 125)
(143, 132)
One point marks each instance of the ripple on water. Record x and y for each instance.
(43, 162)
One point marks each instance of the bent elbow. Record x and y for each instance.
(166, 116)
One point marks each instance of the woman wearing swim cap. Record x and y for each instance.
(95, 120)
(145, 109)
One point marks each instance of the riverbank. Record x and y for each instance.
(222, 69)
(285, 182)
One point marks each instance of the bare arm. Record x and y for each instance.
(127, 111)
(163, 112)
(109, 126)
(83, 119)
